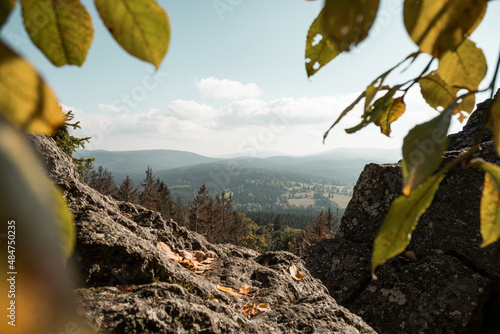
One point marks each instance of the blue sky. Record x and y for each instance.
(234, 81)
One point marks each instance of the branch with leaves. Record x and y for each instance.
(439, 28)
(63, 31)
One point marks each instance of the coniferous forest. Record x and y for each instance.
(222, 219)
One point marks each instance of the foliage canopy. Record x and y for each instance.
(440, 28)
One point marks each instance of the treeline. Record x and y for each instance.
(294, 217)
(215, 218)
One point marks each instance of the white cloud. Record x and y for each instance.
(191, 110)
(107, 107)
(227, 89)
(289, 125)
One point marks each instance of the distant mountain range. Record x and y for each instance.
(254, 182)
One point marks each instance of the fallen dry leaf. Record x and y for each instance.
(294, 272)
(244, 289)
(187, 259)
(124, 287)
(165, 249)
(252, 310)
(230, 291)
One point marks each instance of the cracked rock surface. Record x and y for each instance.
(450, 285)
(130, 286)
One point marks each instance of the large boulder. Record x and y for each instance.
(130, 285)
(445, 282)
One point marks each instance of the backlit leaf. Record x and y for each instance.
(380, 106)
(348, 21)
(437, 26)
(6, 7)
(395, 233)
(320, 48)
(391, 114)
(423, 148)
(464, 66)
(62, 29)
(439, 95)
(490, 208)
(25, 99)
(495, 123)
(142, 28)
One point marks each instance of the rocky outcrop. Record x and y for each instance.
(130, 285)
(446, 283)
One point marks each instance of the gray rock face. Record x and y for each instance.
(451, 285)
(129, 285)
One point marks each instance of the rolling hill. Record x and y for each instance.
(277, 182)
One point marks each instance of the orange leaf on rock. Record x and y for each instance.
(294, 272)
(244, 289)
(230, 291)
(252, 310)
(165, 249)
(124, 287)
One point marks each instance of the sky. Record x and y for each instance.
(234, 81)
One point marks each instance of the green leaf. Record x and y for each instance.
(320, 48)
(6, 6)
(490, 208)
(25, 99)
(463, 67)
(440, 95)
(142, 28)
(423, 148)
(395, 233)
(376, 110)
(348, 21)
(437, 26)
(495, 122)
(62, 30)
(389, 115)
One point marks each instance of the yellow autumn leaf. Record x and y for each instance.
(320, 48)
(142, 28)
(495, 123)
(440, 95)
(62, 30)
(393, 111)
(489, 209)
(437, 26)
(25, 99)
(348, 21)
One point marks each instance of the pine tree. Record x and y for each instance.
(165, 203)
(202, 212)
(128, 192)
(103, 181)
(149, 194)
